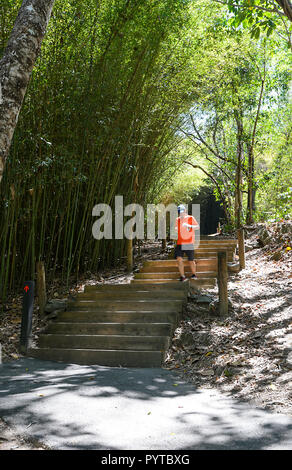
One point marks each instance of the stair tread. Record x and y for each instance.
(109, 311)
(171, 272)
(110, 323)
(103, 336)
(129, 287)
(126, 300)
(96, 350)
(125, 324)
(101, 351)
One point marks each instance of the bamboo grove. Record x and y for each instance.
(107, 113)
(98, 120)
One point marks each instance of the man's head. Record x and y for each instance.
(181, 210)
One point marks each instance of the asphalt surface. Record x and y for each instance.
(67, 406)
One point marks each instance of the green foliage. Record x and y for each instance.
(259, 17)
(275, 173)
(106, 113)
(98, 119)
(230, 74)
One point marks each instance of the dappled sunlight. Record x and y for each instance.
(68, 406)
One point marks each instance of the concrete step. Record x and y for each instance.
(168, 316)
(172, 275)
(130, 329)
(125, 305)
(115, 358)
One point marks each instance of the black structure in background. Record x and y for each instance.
(211, 212)
(27, 311)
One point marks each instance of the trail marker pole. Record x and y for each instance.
(41, 286)
(27, 311)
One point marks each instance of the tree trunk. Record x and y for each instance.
(16, 65)
(250, 188)
(238, 177)
(286, 6)
(251, 175)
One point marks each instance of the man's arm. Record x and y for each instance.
(195, 224)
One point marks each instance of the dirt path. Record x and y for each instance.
(247, 353)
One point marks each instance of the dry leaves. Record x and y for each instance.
(245, 353)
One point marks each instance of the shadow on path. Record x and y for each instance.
(67, 406)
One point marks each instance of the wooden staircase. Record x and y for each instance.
(128, 325)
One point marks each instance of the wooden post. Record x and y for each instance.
(222, 282)
(241, 249)
(26, 320)
(163, 243)
(129, 255)
(41, 286)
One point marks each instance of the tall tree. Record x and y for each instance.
(16, 65)
(253, 6)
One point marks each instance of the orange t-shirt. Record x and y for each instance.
(185, 235)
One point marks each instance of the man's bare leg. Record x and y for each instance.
(180, 264)
(193, 266)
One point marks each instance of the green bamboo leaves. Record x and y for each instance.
(98, 120)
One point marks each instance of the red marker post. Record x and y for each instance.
(27, 311)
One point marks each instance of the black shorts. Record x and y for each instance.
(179, 252)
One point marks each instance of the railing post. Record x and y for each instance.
(222, 282)
(41, 286)
(26, 321)
(241, 249)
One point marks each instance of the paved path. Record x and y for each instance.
(68, 406)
